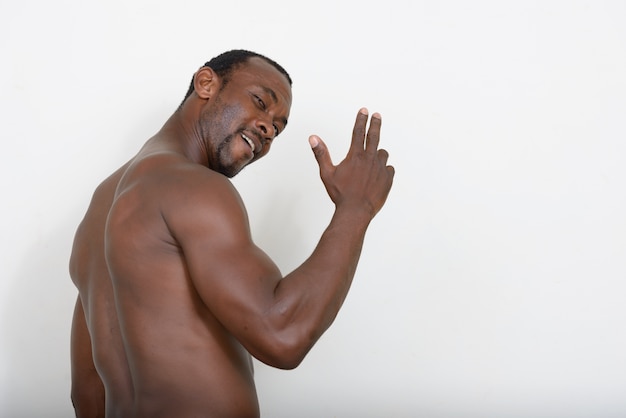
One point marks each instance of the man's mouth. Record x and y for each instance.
(249, 141)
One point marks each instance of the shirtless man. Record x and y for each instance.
(174, 296)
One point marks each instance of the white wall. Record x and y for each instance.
(493, 282)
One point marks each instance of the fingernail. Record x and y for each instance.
(363, 111)
(313, 141)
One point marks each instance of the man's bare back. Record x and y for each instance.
(174, 296)
(95, 314)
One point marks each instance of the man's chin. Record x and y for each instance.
(231, 171)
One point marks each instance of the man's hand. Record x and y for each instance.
(361, 182)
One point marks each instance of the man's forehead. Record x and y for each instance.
(257, 72)
(261, 71)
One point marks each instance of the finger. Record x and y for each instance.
(373, 133)
(358, 133)
(321, 153)
(383, 156)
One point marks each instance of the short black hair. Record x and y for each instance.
(226, 62)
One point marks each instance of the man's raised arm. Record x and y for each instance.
(279, 319)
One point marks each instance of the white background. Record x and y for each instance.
(492, 284)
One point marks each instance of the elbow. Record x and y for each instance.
(288, 360)
(283, 361)
(284, 338)
(284, 352)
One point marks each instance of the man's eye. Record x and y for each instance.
(260, 102)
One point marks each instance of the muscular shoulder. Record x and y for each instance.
(168, 178)
(190, 198)
(205, 206)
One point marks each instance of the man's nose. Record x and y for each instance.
(266, 127)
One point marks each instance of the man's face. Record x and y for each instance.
(243, 118)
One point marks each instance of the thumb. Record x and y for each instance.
(321, 152)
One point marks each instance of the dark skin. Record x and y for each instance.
(174, 296)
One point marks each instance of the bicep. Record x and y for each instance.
(237, 282)
(235, 279)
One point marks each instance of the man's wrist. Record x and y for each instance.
(360, 213)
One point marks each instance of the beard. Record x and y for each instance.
(218, 123)
(224, 163)
(222, 156)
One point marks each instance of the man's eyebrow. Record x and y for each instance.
(271, 93)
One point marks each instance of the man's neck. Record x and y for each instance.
(179, 133)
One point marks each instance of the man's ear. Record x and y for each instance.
(205, 83)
